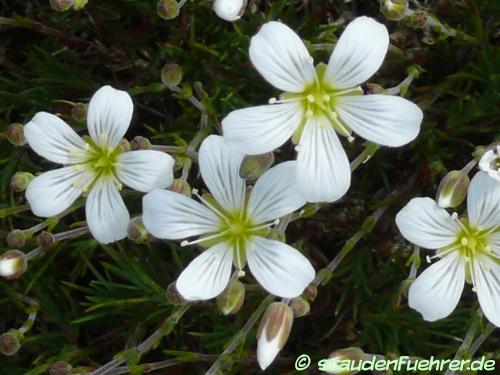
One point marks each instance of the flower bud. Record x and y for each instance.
(140, 143)
(346, 354)
(452, 190)
(417, 19)
(79, 4)
(16, 239)
(13, 264)
(79, 112)
(273, 332)
(254, 166)
(300, 307)
(490, 163)
(10, 342)
(168, 9)
(171, 75)
(15, 134)
(19, 182)
(182, 187)
(124, 144)
(232, 298)
(229, 10)
(61, 5)
(136, 231)
(60, 368)
(310, 292)
(46, 239)
(174, 296)
(394, 10)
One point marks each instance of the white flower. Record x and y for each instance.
(468, 248)
(319, 103)
(490, 163)
(233, 225)
(94, 165)
(229, 10)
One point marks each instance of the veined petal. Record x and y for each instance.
(323, 170)
(54, 191)
(436, 292)
(173, 216)
(145, 170)
(483, 201)
(495, 242)
(220, 169)
(275, 194)
(53, 139)
(257, 130)
(279, 268)
(108, 116)
(358, 54)
(281, 58)
(107, 216)
(426, 224)
(487, 282)
(207, 275)
(384, 119)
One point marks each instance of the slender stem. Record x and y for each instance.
(4, 212)
(59, 237)
(368, 152)
(150, 367)
(414, 264)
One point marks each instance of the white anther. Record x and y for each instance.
(310, 98)
(241, 273)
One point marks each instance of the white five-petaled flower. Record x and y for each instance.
(94, 165)
(490, 163)
(468, 248)
(233, 225)
(320, 102)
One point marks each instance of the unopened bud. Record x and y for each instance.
(174, 296)
(232, 298)
(254, 166)
(140, 143)
(417, 19)
(16, 239)
(374, 88)
(490, 163)
(20, 181)
(46, 239)
(61, 5)
(13, 264)
(15, 134)
(171, 75)
(136, 231)
(60, 368)
(333, 364)
(300, 307)
(273, 332)
(79, 4)
(79, 112)
(10, 342)
(124, 144)
(181, 186)
(394, 10)
(168, 9)
(310, 292)
(229, 10)
(452, 190)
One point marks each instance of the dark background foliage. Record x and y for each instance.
(96, 301)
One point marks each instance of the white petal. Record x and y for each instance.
(173, 216)
(323, 170)
(359, 53)
(436, 292)
(275, 194)
(52, 192)
(53, 139)
(257, 130)
(267, 350)
(494, 241)
(109, 115)
(282, 58)
(483, 201)
(207, 275)
(220, 169)
(145, 170)
(384, 119)
(487, 280)
(426, 224)
(107, 216)
(279, 268)
(229, 10)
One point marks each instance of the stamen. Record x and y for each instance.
(203, 239)
(267, 225)
(464, 241)
(289, 100)
(309, 113)
(205, 202)
(454, 216)
(355, 90)
(241, 273)
(333, 117)
(297, 148)
(310, 98)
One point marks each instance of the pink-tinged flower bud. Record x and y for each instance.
(20, 181)
(10, 342)
(394, 10)
(60, 368)
(46, 239)
(182, 187)
(229, 10)
(140, 143)
(254, 166)
(452, 190)
(136, 231)
(124, 145)
(300, 307)
(171, 75)
(79, 4)
(174, 296)
(333, 365)
(16, 239)
(15, 134)
(273, 332)
(310, 292)
(61, 5)
(168, 9)
(79, 112)
(13, 264)
(232, 298)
